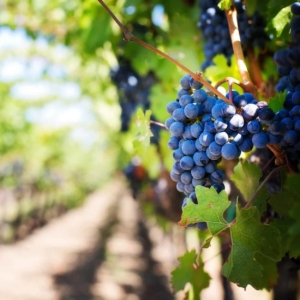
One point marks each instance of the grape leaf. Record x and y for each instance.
(143, 132)
(255, 250)
(225, 4)
(286, 203)
(282, 19)
(276, 103)
(246, 178)
(276, 6)
(291, 240)
(190, 270)
(210, 209)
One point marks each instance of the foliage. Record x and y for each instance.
(94, 44)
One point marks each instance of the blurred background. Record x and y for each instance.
(82, 215)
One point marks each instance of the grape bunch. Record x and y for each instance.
(285, 128)
(133, 92)
(214, 27)
(205, 129)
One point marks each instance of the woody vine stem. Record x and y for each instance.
(128, 36)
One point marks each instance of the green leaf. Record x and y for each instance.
(251, 7)
(225, 4)
(220, 70)
(190, 271)
(210, 209)
(143, 132)
(291, 242)
(255, 251)
(282, 19)
(246, 178)
(284, 201)
(276, 6)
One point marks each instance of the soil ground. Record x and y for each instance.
(104, 249)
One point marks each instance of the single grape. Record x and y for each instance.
(260, 139)
(186, 163)
(188, 147)
(229, 151)
(177, 129)
(186, 177)
(172, 106)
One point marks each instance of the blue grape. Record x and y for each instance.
(196, 182)
(266, 115)
(177, 168)
(254, 126)
(250, 111)
(186, 177)
(198, 172)
(175, 177)
(173, 143)
(246, 145)
(180, 186)
(186, 163)
(169, 122)
(172, 106)
(290, 137)
(210, 167)
(185, 82)
(217, 176)
(287, 124)
(199, 146)
(208, 104)
(196, 130)
(200, 158)
(179, 115)
(221, 138)
(229, 151)
(188, 147)
(220, 124)
(236, 122)
(185, 100)
(236, 138)
(187, 134)
(191, 110)
(199, 96)
(206, 138)
(178, 154)
(260, 139)
(177, 129)
(215, 149)
(189, 188)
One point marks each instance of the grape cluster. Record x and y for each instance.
(205, 129)
(285, 128)
(133, 92)
(214, 27)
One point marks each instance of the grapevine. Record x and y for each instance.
(208, 129)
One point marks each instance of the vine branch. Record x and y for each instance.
(130, 37)
(261, 186)
(231, 16)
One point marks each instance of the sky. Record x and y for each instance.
(69, 107)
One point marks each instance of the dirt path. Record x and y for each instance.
(104, 250)
(98, 251)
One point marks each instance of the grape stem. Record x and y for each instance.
(261, 186)
(231, 16)
(158, 123)
(256, 71)
(128, 36)
(230, 81)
